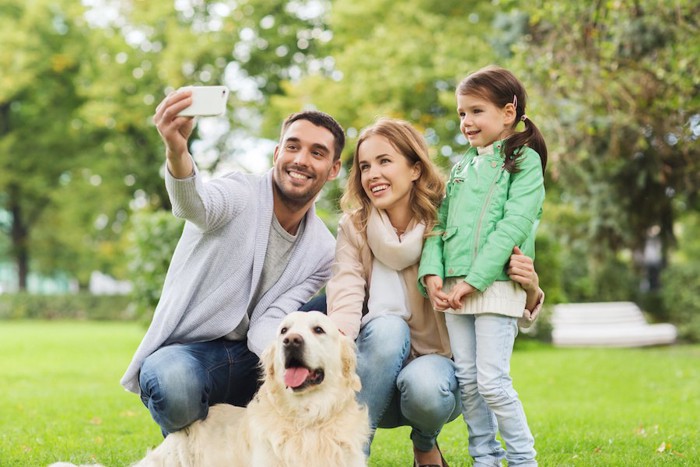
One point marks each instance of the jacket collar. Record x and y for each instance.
(494, 148)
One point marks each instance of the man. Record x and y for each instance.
(252, 250)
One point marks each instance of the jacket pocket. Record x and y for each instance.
(449, 233)
(456, 249)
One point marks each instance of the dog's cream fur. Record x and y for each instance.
(318, 424)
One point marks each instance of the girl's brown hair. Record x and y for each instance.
(501, 87)
(428, 189)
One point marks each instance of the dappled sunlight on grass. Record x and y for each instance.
(62, 399)
(586, 407)
(591, 407)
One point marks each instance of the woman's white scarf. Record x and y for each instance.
(392, 254)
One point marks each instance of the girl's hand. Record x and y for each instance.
(522, 270)
(458, 292)
(438, 298)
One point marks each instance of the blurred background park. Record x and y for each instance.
(85, 227)
(613, 85)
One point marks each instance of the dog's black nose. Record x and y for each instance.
(293, 340)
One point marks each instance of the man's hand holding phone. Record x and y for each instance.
(173, 119)
(207, 101)
(175, 130)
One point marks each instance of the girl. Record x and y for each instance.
(404, 362)
(493, 204)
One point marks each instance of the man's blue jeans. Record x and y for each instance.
(180, 382)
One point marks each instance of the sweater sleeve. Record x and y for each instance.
(347, 289)
(522, 209)
(304, 277)
(263, 330)
(207, 205)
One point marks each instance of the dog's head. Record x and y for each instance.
(310, 352)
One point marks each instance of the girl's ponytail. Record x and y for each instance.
(530, 137)
(502, 88)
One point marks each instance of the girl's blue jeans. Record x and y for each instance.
(421, 393)
(482, 346)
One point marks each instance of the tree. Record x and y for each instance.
(405, 65)
(613, 86)
(397, 59)
(623, 112)
(77, 100)
(37, 141)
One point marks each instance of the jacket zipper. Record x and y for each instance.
(483, 212)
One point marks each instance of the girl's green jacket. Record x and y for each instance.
(485, 213)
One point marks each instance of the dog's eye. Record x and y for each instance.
(319, 330)
(283, 330)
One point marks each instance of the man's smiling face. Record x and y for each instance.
(304, 161)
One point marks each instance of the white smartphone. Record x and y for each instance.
(206, 101)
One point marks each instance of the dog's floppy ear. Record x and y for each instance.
(349, 361)
(267, 358)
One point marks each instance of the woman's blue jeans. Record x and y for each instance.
(421, 393)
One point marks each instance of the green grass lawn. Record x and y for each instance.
(61, 400)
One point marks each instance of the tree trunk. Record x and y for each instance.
(19, 234)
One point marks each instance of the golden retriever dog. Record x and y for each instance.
(305, 413)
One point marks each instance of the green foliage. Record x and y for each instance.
(79, 306)
(611, 279)
(621, 82)
(688, 232)
(680, 292)
(38, 99)
(405, 65)
(612, 85)
(549, 268)
(567, 269)
(586, 407)
(153, 238)
(681, 298)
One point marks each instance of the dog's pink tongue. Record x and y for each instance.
(295, 377)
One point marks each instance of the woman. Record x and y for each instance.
(404, 363)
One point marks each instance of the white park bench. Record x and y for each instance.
(606, 324)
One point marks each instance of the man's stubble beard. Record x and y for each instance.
(292, 203)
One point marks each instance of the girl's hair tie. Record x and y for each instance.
(523, 118)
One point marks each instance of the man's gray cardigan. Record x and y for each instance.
(218, 262)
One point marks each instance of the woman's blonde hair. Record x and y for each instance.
(428, 189)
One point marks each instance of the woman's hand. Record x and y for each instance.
(521, 269)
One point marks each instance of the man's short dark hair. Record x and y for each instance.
(323, 120)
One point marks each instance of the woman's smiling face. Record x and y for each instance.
(387, 176)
